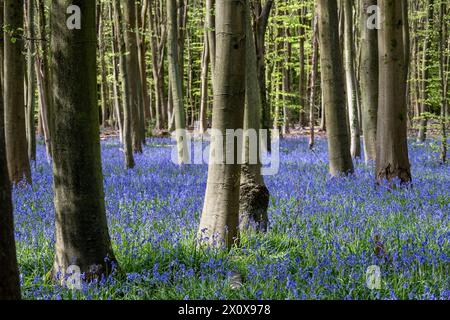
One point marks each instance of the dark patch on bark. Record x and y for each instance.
(254, 202)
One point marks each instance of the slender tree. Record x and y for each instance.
(176, 81)
(126, 134)
(14, 95)
(220, 218)
(369, 80)
(315, 69)
(350, 79)
(254, 195)
(333, 89)
(31, 87)
(426, 58)
(392, 147)
(133, 72)
(82, 237)
(261, 14)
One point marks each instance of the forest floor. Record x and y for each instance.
(324, 233)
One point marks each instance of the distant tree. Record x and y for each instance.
(369, 80)
(333, 87)
(261, 13)
(426, 52)
(127, 124)
(392, 146)
(82, 237)
(31, 84)
(176, 80)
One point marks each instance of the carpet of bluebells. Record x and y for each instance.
(324, 232)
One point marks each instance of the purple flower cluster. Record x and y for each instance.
(324, 233)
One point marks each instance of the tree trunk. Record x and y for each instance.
(369, 82)
(133, 73)
(254, 195)
(350, 79)
(9, 272)
(261, 14)
(444, 89)
(204, 86)
(392, 148)
(312, 101)
(424, 107)
(43, 81)
(14, 95)
(333, 89)
(104, 93)
(31, 101)
(82, 237)
(126, 136)
(176, 82)
(211, 33)
(302, 78)
(220, 218)
(115, 85)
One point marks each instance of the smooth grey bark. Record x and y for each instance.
(424, 106)
(261, 14)
(133, 72)
(9, 272)
(333, 87)
(204, 85)
(314, 71)
(254, 196)
(392, 147)
(350, 79)
(302, 76)
(115, 85)
(126, 134)
(176, 81)
(31, 87)
(369, 82)
(158, 32)
(443, 30)
(219, 223)
(14, 93)
(82, 237)
(211, 33)
(104, 90)
(43, 80)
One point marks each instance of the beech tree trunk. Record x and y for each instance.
(126, 135)
(133, 73)
(9, 273)
(31, 87)
(254, 195)
(82, 237)
(204, 100)
(424, 107)
(261, 15)
(334, 89)
(14, 95)
(176, 81)
(392, 148)
(350, 79)
(369, 82)
(219, 223)
(315, 68)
